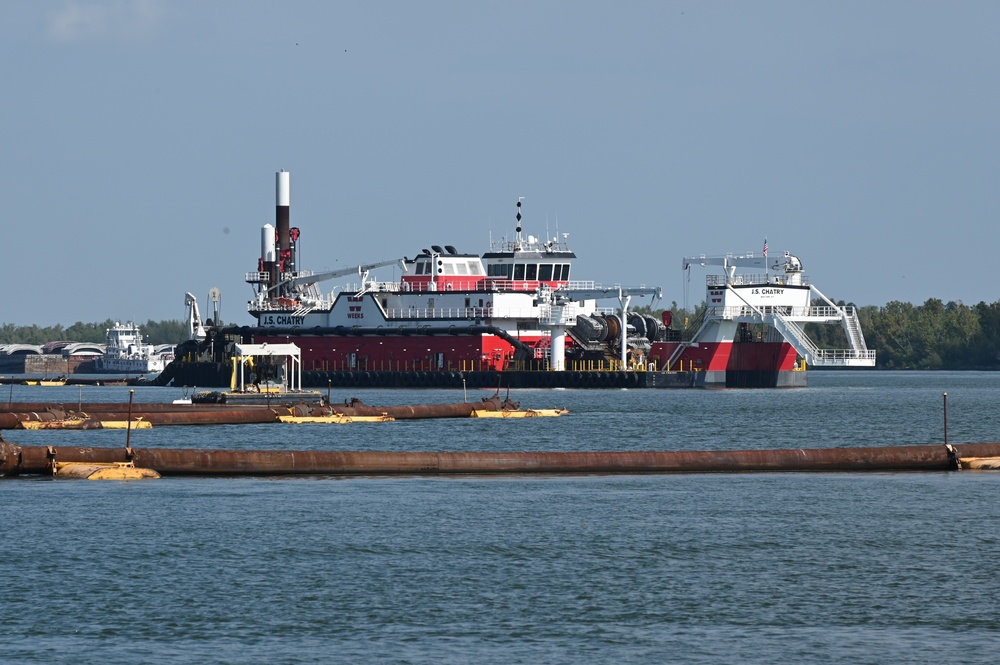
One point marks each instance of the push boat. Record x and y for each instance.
(517, 316)
(127, 353)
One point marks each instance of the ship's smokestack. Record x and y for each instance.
(281, 212)
(281, 200)
(267, 249)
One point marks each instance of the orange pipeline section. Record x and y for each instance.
(16, 460)
(89, 416)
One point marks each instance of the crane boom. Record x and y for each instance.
(305, 280)
(729, 260)
(196, 330)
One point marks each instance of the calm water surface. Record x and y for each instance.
(707, 568)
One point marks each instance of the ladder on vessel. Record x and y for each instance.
(789, 323)
(791, 328)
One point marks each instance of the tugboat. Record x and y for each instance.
(126, 353)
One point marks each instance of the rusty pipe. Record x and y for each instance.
(10, 420)
(409, 412)
(207, 417)
(137, 408)
(157, 418)
(178, 461)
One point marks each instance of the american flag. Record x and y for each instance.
(765, 248)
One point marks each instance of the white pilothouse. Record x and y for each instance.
(127, 353)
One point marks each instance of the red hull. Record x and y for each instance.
(728, 356)
(400, 354)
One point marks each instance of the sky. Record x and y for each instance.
(140, 139)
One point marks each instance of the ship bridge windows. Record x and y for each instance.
(544, 272)
(501, 270)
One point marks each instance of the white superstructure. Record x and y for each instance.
(126, 353)
(781, 297)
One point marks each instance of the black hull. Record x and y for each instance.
(217, 375)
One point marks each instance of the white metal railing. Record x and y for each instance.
(853, 327)
(545, 314)
(819, 312)
(746, 279)
(483, 284)
(560, 315)
(439, 313)
(268, 306)
(798, 338)
(842, 355)
(858, 355)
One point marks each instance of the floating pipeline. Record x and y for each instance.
(34, 460)
(155, 418)
(107, 406)
(141, 407)
(356, 407)
(13, 420)
(86, 423)
(158, 415)
(69, 380)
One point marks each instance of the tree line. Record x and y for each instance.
(155, 332)
(933, 335)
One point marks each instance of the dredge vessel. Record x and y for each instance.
(516, 315)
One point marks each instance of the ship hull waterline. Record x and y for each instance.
(207, 375)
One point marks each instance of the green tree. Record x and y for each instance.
(156, 332)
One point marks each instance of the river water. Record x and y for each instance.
(861, 568)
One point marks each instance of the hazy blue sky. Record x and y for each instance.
(140, 140)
